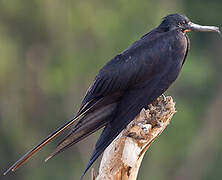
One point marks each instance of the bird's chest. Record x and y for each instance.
(177, 48)
(172, 52)
(176, 52)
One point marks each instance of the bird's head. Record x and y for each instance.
(181, 22)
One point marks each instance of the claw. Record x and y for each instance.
(163, 97)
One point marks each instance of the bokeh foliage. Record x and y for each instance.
(51, 50)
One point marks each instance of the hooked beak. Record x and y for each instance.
(195, 27)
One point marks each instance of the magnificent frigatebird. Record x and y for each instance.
(126, 84)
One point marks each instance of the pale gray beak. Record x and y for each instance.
(195, 27)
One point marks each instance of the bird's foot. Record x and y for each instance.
(163, 97)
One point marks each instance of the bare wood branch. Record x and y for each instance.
(122, 159)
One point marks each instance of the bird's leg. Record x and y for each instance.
(163, 97)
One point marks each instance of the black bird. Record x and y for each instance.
(126, 84)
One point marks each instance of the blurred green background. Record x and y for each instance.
(50, 52)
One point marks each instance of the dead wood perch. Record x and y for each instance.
(122, 159)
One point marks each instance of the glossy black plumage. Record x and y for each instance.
(126, 84)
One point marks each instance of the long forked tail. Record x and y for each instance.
(41, 144)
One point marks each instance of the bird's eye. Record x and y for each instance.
(182, 23)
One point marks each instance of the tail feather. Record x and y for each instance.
(86, 126)
(39, 146)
